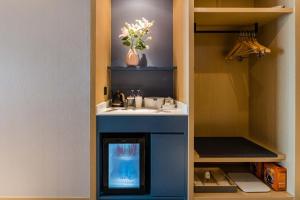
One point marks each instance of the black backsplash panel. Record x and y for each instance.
(161, 46)
(151, 82)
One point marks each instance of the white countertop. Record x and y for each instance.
(103, 109)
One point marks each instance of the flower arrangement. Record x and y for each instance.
(136, 35)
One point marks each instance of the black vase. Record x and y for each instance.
(143, 61)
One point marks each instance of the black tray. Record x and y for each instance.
(229, 147)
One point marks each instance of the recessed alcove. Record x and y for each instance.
(165, 74)
(166, 48)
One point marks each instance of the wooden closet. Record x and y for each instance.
(253, 98)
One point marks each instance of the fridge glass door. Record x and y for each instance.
(123, 165)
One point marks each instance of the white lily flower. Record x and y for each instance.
(124, 33)
(141, 23)
(138, 33)
(136, 27)
(127, 25)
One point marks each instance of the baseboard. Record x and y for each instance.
(41, 198)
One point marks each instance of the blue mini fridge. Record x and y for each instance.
(124, 165)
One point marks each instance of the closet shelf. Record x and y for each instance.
(199, 159)
(237, 16)
(232, 149)
(244, 196)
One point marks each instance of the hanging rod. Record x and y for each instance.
(225, 31)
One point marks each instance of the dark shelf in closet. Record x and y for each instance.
(230, 147)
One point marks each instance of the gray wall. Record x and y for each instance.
(44, 98)
(160, 53)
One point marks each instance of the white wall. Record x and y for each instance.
(44, 98)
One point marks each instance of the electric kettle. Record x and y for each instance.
(118, 99)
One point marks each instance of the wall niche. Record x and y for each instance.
(160, 53)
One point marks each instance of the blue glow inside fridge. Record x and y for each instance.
(124, 165)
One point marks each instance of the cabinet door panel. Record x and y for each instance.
(168, 163)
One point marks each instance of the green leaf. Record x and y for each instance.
(125, 38)
(126, 43)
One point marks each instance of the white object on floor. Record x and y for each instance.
(247, 182)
